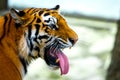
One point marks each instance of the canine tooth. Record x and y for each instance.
(57, 60)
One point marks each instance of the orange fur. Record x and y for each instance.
(13, 43)
(10, 66)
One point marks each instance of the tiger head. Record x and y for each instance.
(46, 33)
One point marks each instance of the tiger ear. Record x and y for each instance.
(56, 7)
(17, 15)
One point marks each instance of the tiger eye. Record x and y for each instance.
(47, 30)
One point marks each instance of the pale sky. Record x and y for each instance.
(104, 8)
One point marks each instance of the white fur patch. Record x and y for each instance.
(53, 20)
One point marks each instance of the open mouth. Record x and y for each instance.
(54, 57)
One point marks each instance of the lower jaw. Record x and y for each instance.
(50, 60)
(54, 67)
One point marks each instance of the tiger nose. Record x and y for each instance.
(73, 41)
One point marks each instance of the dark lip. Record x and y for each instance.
(49, 55)
(50, 59)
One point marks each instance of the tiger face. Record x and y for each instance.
(46, 33)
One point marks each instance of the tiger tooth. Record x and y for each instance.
(57, 60)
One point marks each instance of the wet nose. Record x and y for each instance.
(73, 41)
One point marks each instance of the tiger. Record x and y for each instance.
(32, 33)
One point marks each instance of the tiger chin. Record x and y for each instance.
(32, 33)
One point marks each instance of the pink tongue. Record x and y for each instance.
(63, 61)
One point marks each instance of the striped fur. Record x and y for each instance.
(24, 35)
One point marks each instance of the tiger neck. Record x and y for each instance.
(9, 40)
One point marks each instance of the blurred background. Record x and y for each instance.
(95, 22)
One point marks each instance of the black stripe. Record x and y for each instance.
(29, 37)
(38, 20)
(38, 50)
(4, 27)
(29, 10)
(37, 29)
(39, 53)
(48, 40)
(47, 20)
(33, 18)
(44, 25)
(9, 23)
(17, 25)
(43, 37)
(35, 39)
(28, 43)
(62, 41)
(46, 14)
(29, 31)
(21, 13)
(53, 26)
(40, 13)
(47, 30)
(34, 10)
(31, 46)
(24, 63)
